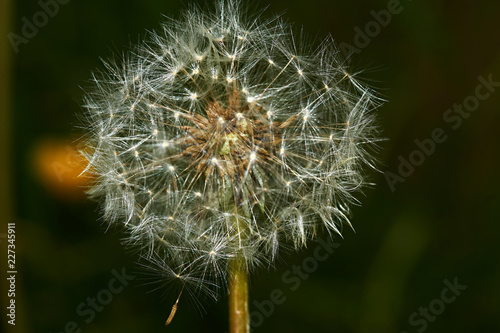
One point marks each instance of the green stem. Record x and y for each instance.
(238, 297)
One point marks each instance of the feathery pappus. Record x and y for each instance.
(223, 134)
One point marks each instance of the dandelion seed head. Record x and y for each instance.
(207, 168)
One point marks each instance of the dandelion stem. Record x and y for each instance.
(238, 296)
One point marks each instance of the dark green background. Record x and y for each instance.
(441, 223)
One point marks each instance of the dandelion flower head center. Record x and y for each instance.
(228, 141)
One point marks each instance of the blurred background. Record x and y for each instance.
(439, 224)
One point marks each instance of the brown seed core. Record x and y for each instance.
(229, 138)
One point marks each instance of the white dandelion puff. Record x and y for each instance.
(222, 136)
